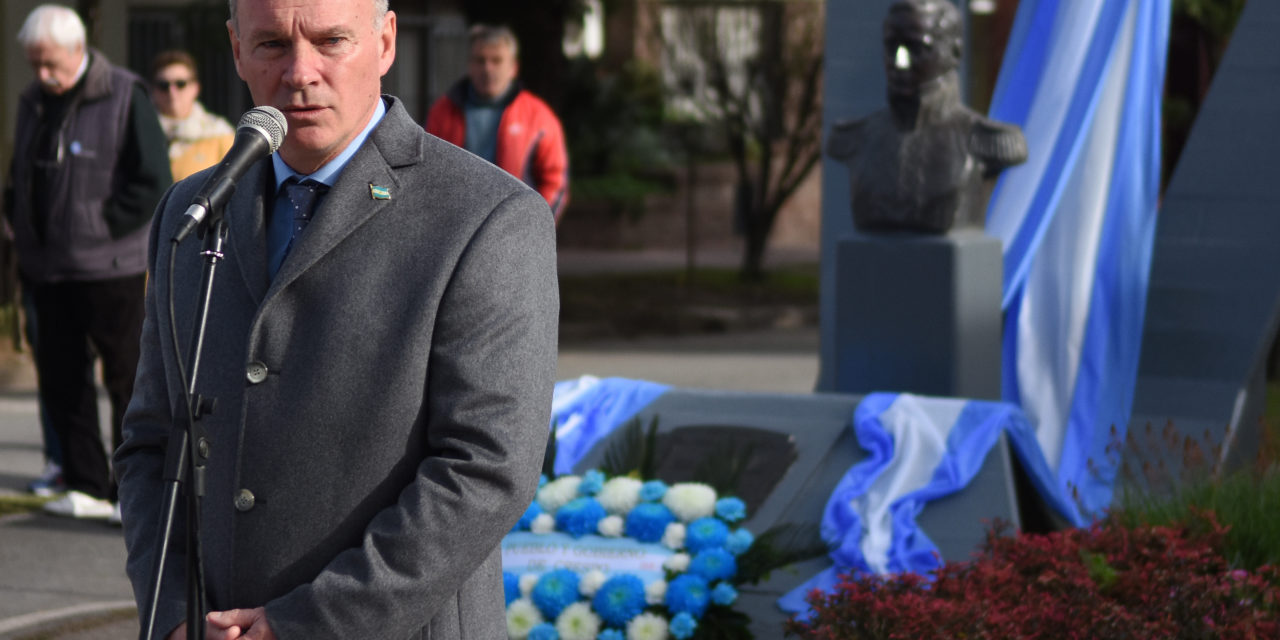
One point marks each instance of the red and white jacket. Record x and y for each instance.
(530, 140)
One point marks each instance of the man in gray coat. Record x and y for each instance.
(383, 372)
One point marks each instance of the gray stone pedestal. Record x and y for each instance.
(918, 313)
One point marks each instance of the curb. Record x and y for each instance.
(30, 621)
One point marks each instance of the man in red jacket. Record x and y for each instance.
(489, 114)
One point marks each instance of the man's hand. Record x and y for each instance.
(239, 623)
(229, 625)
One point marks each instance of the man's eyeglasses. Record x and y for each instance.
(163, 85)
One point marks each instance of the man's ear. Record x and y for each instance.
(388, 38)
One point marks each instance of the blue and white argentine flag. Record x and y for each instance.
(1083, 78)
(918, 449)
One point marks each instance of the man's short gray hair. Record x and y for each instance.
(379, 12)
(491, 34)
(52, 23)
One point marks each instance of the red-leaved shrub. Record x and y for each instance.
(1106, 581)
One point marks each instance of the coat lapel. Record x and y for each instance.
(352, 200)
(246, 226)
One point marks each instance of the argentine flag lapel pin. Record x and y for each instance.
(379, 193)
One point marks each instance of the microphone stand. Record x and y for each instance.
(187, 454)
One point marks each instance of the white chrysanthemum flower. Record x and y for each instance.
(578, 622)
(690, 501)
(620, 495)
(544, 523)
(527, 581)
(558, 493)
(522, 616)
(590, 582)
(678, 563)
(647, 626)
(673, 538)
(611, 526)
(655, 592)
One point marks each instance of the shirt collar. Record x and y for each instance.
(84, 66)
(329, 172)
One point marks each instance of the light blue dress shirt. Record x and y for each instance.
(280, 224)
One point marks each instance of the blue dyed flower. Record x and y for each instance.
(724, 594)
(705, 533)
(648, 521)
(510, 586)
(542, 479)
(526, 520)
(714, 564)
(653, 490)
(592, 482)
(682, 626)
(731, 509)
(739, 541)
(544, 631)
(619, 599)
(554, 591)
(611, 634)
(689, 594)
(580, 516)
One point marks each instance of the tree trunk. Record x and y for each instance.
(753, 254)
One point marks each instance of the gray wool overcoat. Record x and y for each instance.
(382, 404)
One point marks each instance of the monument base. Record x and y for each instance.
(919, 313)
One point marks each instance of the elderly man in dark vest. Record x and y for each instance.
(89, 167)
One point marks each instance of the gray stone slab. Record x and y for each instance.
(1214, 302)
(853, 87)
(919, 313)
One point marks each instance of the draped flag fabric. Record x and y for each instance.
(586, 410)
(1083, 78)
(919, 449)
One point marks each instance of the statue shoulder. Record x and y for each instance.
(848, 137)
(999, 144)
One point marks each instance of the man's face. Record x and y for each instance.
(54, 66)
(492, 68)
(174, 90)
(320, 62)
(914, 52)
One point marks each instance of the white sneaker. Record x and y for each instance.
(77, 504)
(114, 518)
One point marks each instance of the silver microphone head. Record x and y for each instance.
(268, 121)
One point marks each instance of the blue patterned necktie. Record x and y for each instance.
(302, 196)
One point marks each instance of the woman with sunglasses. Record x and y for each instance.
(197, 138)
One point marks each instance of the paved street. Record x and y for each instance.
(65, 579)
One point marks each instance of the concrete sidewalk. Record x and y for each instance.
(65, 579)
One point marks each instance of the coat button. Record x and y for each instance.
(256, 372)
(244, 500)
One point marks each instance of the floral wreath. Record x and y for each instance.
(687, 518)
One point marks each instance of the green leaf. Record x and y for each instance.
(723, 623)
(778, 547)
(549, 458)
(724, 472)
(1102, 573)
(633, 451)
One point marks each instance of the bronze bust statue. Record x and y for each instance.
(920, 164)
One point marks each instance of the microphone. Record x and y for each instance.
(259, 134)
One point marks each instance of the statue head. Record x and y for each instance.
(923, 40)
